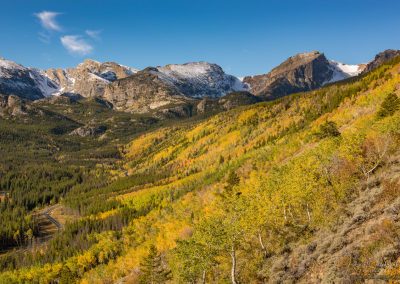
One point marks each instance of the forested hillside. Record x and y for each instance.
(246, 196)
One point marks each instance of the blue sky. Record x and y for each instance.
(244, 37)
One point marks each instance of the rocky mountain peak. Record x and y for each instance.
(297, 61)
(89, 78)
(88, 63)
(381, 58)
(299, 73)
(9, 66)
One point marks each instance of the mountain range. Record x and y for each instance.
(177, 89)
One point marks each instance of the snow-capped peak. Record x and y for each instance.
(9, 65)
(25, 82)
(199, 79)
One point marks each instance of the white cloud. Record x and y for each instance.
(48, 20)
(94, 34)
(76, 44)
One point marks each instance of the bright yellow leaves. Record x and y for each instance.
(140, 145)
(249, 116)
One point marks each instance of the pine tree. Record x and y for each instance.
(389, 106)
(152, 269)
(328, 129)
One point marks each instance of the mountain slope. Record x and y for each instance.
(294, 179)
(362, 246)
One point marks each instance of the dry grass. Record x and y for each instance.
(63, 214)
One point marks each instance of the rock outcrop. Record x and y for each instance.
(89, 130)
(12, 106)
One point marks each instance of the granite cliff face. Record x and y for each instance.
(142, 92)
(89, 78)
(299, 73)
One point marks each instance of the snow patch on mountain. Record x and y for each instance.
(129, 70)
(47, 86)
(343, 71)
(17, 79)
(95, 77)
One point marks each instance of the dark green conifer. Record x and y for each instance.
(328, 129)
(153, 271)
(389, 106)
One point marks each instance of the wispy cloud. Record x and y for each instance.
(94, 34)
(48, 20)
(75, 44)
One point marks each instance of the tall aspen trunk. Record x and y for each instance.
(264, 249)
(233, 269)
